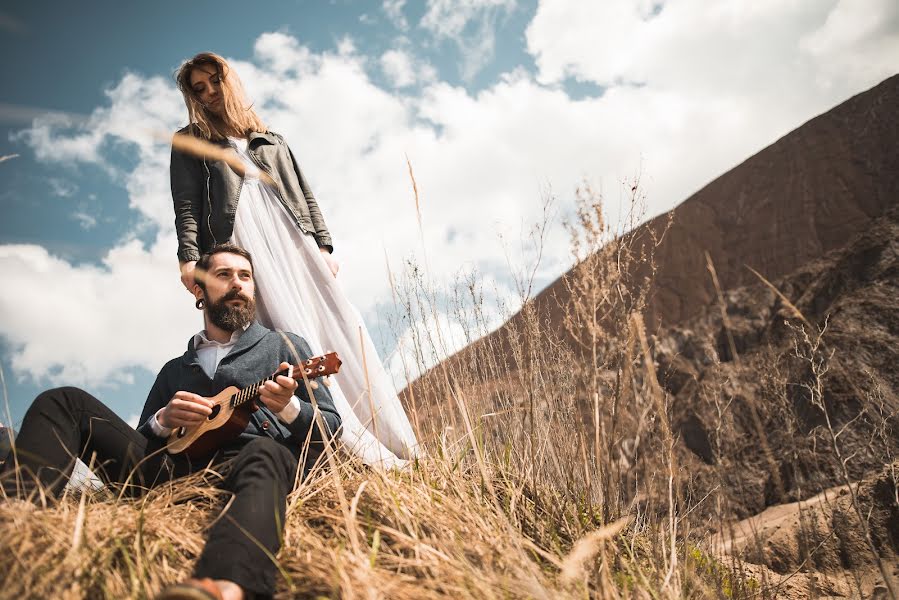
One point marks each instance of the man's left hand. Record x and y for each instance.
(276, 394)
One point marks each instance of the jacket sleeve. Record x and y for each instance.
(305, 421)
(158, 397)
(187, 194)
(322, 235)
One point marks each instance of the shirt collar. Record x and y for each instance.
(201, 341)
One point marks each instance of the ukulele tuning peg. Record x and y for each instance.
(313, 385)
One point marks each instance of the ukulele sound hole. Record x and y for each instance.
(182, 431)
(215, 411)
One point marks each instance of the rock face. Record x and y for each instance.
(804, 195)
(772, 443)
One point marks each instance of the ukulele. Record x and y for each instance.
(232, 408)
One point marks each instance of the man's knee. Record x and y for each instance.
(276, 458)
(67, 395)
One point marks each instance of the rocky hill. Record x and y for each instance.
(783, 385)
(804, 195)
(800, 378)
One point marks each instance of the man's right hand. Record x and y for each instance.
(187, 275)
(184, 410)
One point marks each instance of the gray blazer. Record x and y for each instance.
(205, 194)
(256, 356)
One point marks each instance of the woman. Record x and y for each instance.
(259, 199)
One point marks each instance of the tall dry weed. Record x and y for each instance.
(551, 466)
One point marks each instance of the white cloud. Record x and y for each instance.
(449, 18)
(129, 312)
(480, 160)
(397, 65)
(858, 42)
(394, 11)
(141, 116)
(142, 112)
(85, 220)
(402, 69)
(470, 24)
(728, 49)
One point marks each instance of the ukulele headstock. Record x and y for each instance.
(319, 366)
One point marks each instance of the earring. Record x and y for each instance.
(200, 303)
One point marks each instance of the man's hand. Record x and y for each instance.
(330, 261)
(187, 275)
(184, 410)
(276, 394)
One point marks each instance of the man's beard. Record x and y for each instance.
(228, 317)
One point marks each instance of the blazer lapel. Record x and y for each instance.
(254, 333)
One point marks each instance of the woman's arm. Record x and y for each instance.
(187, 195)
(322, 235)
(187, 274)
(332, 263)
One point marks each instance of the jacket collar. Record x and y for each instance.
(263, 136)
(257, 139)
(250, 338)
(267, 136)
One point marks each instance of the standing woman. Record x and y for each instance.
(263, 203)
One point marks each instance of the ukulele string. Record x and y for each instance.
(252, 391)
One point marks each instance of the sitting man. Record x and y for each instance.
(260, 464)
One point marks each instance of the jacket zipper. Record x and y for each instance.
(209, 204)
(277, 188)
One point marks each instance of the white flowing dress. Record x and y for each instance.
(296, 292)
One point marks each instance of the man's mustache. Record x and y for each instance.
(236, 295)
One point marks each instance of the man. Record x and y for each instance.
(260, 464)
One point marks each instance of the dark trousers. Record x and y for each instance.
(68, 423)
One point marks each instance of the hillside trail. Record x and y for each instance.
(814, 548)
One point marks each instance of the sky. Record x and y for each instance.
(496, 105)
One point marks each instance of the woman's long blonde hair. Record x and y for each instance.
(238, 116)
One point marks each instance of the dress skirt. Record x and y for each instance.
(296, 292)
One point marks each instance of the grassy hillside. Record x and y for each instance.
(561, 463)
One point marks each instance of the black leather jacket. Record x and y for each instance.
(205, 194)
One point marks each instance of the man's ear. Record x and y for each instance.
(199, 275)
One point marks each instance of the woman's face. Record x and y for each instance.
(207, 87)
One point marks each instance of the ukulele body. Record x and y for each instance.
(232, 407)
(222, 425)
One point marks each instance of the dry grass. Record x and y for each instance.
(550, 470)
(432, 531)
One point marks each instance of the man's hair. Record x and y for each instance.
(203, 264)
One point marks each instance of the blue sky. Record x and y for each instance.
(64, 63)
(496, 103)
